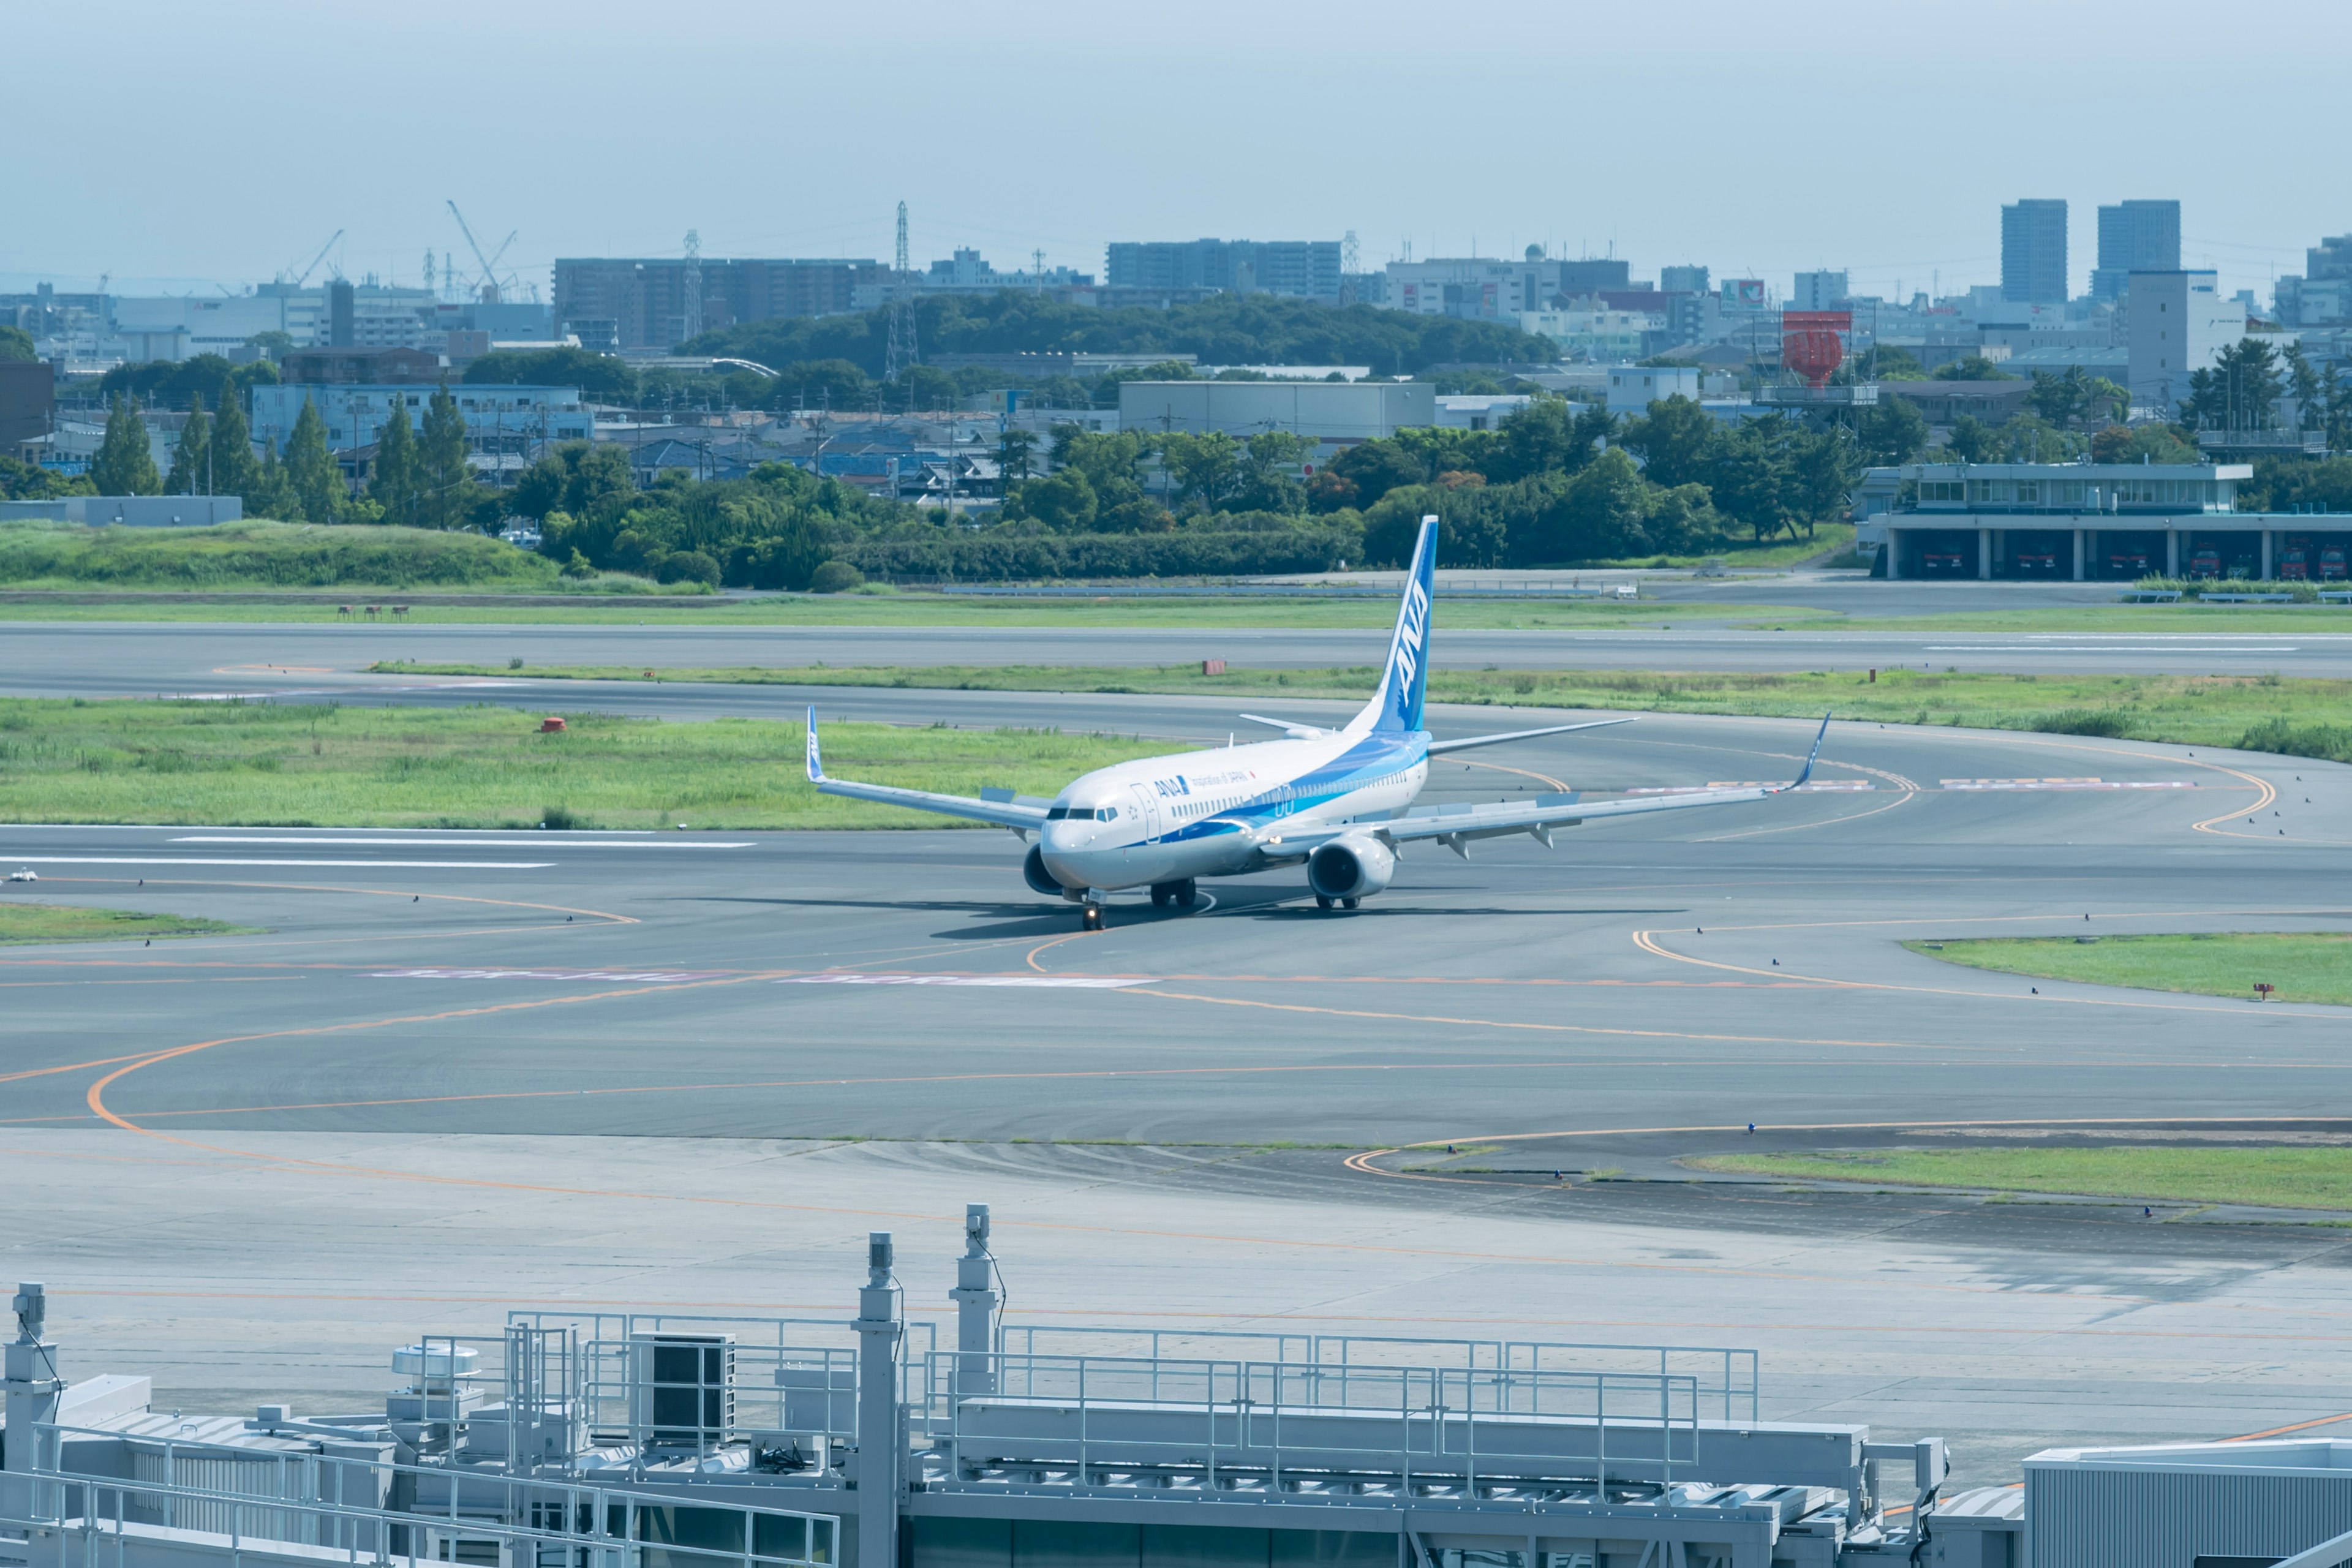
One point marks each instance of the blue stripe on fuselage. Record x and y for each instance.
(1369, 758)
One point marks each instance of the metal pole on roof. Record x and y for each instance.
(881, 1437)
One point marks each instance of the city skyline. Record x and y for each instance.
(794, 133)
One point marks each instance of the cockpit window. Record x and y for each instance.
(1106, 814)
(1057, 813)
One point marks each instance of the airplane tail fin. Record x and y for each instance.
(815, 760)
(1403, 684)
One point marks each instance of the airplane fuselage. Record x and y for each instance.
(1223, 813)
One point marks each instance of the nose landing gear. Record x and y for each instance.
(1092, 920)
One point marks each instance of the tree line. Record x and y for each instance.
(420, 477)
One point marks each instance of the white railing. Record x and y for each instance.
(1727, 1379)
(2333, 1554)
(774, 1373)
(1459, 1426)
(236, 1501)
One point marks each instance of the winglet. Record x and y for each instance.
(815, 761)
(1811, 758)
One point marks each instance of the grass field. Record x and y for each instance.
(213, 763)
(2306, 966)
(24, 922)
(2275, 1177)
(262, 554)
(2297, 717)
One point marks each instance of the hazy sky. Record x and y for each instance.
(192, 147)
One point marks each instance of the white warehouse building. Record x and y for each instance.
(1336, 411)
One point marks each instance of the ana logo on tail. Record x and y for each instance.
(1411, 626)
(816, 762)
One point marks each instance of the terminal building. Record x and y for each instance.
(2093, 521)
(588, 1438)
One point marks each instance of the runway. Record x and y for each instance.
(606, 1065)
(145, 659)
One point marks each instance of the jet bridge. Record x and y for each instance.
(662, 1440)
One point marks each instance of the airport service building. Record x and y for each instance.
(617, 1440)
(2091, 521)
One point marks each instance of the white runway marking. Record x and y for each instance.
(2064, 784)
(1827, 787)
(539, 842)
(628, 974)
(226, 860)
(1036, 982)
(2109, 648)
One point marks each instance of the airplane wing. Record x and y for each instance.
(1012, 814)
(1439, 748)
(1291, 728)
(1456, 827)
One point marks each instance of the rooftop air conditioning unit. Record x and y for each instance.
(681, 1390)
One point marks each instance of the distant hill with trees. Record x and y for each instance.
(1232, 329)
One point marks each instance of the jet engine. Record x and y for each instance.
(1350, 867)
(1033, 872)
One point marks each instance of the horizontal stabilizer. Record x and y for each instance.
(1439, 748)
(1297, 731)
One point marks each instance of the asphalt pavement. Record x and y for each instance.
(457, 1070)
(151, 659)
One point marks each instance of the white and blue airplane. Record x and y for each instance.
(1338, 802)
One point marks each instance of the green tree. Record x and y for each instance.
(1974, 367)
(1113, 463)
(1063, 500)
(1971, 440)
(1267, 483)
(2061, 399)
(16, 343)
(191, 459)
(1598, 515)
(1822, 471)
(1673, 439)
(2240, 392)
(1016, 453)
(231, 450)
(600, 378)
(30, 481)
(1550, 436)
(1206, 468)
(445, 483)
(2303, 385)
(1891, 431)
(271, 491)
(393, 486)
(581, 478)
(1749, 476)
(311, 468)
(124, 465)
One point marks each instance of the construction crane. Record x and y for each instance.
(304, 276)
(489, 290)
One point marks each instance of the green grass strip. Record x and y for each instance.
(259, 764)
(2292, 716)
(24, 922)
(2270, 1177)
(2304, 966)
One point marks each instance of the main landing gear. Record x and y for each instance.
(1183, 894)
(1324, 902)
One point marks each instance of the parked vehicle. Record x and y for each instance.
(2028, 563)
(2205, 564)
(2295, 566)
(1940, 563)
(2133, 562)
(2331, 565)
